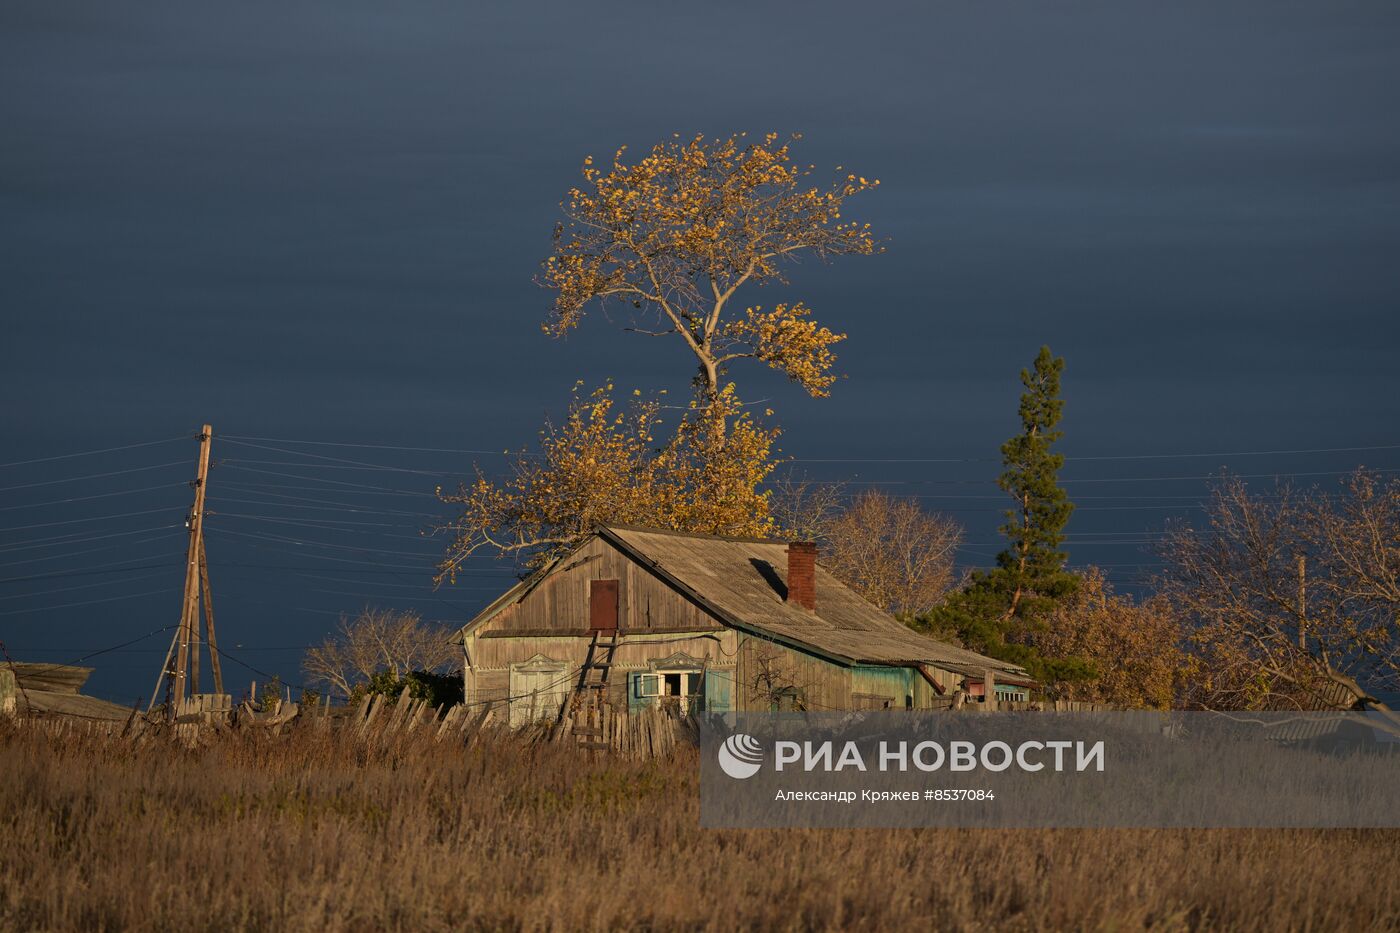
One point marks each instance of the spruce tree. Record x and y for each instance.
(999, 608)
(1032, 570)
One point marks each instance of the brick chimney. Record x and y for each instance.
(802, 574)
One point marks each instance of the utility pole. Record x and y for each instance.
(214, 664)
(184, 647)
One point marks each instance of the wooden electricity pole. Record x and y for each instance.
(209, 617)
(183, 675)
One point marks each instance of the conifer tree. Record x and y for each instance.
(1033, 567)
(999, 610)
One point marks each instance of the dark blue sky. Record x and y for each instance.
(320, 222)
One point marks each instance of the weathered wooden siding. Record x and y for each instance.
(764, 665)
(882, 687)
(492, 658)
(560, 603)
(925, 696)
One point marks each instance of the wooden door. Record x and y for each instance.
(602, 606)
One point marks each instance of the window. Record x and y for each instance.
(679, 690)
(538, 689)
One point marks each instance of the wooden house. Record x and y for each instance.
(643, 618)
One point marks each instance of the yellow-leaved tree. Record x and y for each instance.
(605, 465)
(676, 234)
(671, 238)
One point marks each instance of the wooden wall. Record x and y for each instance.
(560, 603)
(766, 666)
(491, 658)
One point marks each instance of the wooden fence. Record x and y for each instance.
(649, 733)
(1028, 706)
(383, 720)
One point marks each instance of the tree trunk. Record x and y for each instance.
(709, 377)
(1021, 563)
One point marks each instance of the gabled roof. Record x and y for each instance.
(741, 581)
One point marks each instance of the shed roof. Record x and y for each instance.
(742, 581)
(53, 688)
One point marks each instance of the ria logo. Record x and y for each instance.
(740, 756)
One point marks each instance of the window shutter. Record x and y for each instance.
(641, 691)
(719, 687)
(602, 605)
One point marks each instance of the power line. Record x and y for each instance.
(326, 544)
(420, 590)
(264, 487)
(433, 450)
(364, 464)
(416, 587)
(400, 597)
(399, 572)
(79, 521)
(1236, 453)
(325, 505)
(1163, 479)
(100, 651)
(90, 453)
(77, 538)
(321, 544)
(377, 468)
(245, 664)
(1111, 479)
(79, 479)
(106, 547)
(100, 495)
(382, 490)
(94, 570)
(1156, 456)
(83, 586)
(90, 602)
(425, 568)
(309, 522)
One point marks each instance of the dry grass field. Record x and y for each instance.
(315, 831)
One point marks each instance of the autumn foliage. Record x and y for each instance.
(1136, 648)
(620, 464)
(674, 235)
(671, 237)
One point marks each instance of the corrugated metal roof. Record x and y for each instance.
(744, 581)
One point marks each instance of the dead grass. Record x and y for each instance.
(311, 831)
